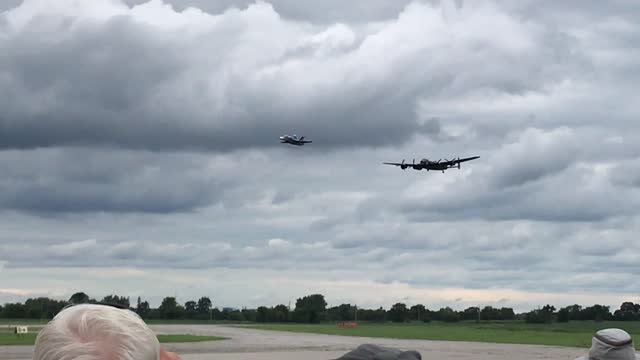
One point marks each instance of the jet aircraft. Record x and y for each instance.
(433, 165)
(293, 140)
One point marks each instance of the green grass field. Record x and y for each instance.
(574, 334)
(22, 322)
(187, 338)
(4, 322)
(11, 339)
(194, 322)
(30, 339)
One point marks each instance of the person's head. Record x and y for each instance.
(611, 344)
(97, 332)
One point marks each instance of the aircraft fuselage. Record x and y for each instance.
(293, 140)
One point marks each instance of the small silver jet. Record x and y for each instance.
(293, 140)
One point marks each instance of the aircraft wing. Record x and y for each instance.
(396, 164)
(458, 161)
(466, 159)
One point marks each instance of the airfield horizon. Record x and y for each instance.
(571, 334)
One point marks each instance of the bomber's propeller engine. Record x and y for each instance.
(455, 161)
(403, 166)
(417, 167)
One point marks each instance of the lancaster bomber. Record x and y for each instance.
(293, 140)
(433, 165)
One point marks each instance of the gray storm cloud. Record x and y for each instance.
(88, 180)
(151, 77)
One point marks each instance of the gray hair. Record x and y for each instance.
(96, 332)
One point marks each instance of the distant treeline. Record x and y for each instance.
(313, 309)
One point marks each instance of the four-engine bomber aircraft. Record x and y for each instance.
(293, 140)
(433, 165)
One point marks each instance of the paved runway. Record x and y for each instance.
(272, 345)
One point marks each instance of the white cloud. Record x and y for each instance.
(31, 11)
(73, 249)
(278, 243)
(151, 130)
(188, 79)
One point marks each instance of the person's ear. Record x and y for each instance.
(166, 355)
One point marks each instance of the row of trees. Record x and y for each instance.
(313, 309)
(39, 308)
(628, 312)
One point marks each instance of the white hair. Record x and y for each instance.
(96, 332)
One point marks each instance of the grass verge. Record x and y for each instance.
(187, 338)
(30, 339)
(13, 339)
(573, 334)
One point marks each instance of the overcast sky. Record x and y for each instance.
(139, 151)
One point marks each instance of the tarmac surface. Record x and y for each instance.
(251, 344)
